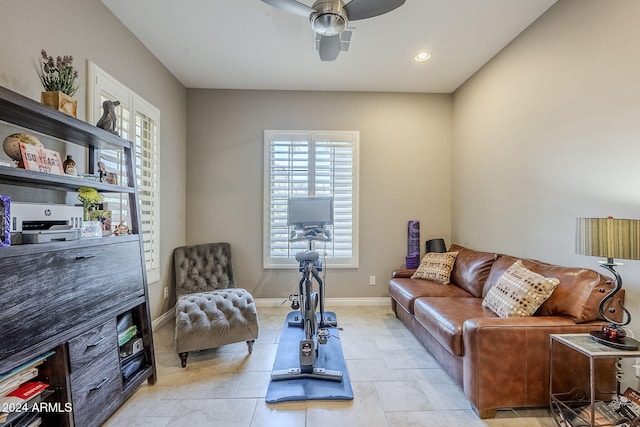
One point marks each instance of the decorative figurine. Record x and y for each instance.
(102, 170)
(105, 175)
(69, 166)
(108, 119)
(122, 229)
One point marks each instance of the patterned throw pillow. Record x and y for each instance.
(436, 267)
(519, 292)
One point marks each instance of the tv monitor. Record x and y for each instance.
(305, 211)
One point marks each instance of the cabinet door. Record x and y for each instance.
(96, 380)
(48, 293)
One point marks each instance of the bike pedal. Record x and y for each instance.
(323, 335)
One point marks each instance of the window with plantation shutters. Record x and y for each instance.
(311, 164)
(137, 121)
(146, 161)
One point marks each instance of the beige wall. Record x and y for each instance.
(549, 131)
(405, 142)
(87, 30)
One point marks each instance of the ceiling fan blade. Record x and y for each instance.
(329, 47)
(362, 9)
(291, 6)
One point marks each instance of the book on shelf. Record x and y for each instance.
(20, 391)
(632, 395)
(12, 382)
(20, 401)
(24, 393)
(31, 363)
(625, 407)
(20, 419)
(26, 419)
(129, 333)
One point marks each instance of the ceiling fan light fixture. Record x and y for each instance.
(328, 24)
(422, 56)
(330, 18)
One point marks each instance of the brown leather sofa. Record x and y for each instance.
(499, 362)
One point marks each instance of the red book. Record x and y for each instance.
(28, 390)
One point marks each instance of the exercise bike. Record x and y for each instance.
(315, 324)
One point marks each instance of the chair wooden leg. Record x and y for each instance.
(250, 345)
(183, 359)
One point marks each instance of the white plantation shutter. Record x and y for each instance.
(146, 148)
(137, 121)
(308, 164)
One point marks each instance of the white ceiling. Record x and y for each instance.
(247, 44)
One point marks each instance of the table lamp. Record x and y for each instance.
(435, 245)
(610, 238)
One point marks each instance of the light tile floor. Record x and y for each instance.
(395, 381)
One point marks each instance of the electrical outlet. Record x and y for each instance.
(372, 280)
(637, 366)
(166, 292)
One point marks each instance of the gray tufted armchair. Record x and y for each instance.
(210, 310)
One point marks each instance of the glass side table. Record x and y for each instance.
(582, 401)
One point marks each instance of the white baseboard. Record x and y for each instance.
(165, 317)
(329, 302)
(168, 316)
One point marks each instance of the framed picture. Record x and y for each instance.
(111, 178)
(104, 216)
(5, 211)
(105, 175)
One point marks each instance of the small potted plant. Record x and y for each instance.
(60, 82)
(89, 197)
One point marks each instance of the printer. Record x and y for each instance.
(44, 222)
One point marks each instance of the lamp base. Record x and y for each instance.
(624, 343)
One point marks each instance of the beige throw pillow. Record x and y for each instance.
(436, 267)
(519, 292)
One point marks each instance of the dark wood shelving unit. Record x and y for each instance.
(65, 297)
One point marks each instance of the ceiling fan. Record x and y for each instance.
(330, 17)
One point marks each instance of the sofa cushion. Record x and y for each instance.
(405, 290)
(471, 269)
(436, 267)
(577, 295)
(443, 318)
(519, 292)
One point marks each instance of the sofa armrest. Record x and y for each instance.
(403, 273)
(506, 360)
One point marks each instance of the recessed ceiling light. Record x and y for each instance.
(422, 56)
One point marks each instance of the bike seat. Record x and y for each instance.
(307, 256)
